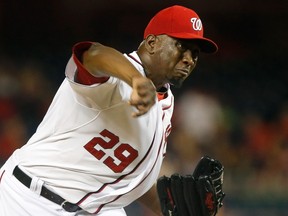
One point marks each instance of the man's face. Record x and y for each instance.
(174, 59)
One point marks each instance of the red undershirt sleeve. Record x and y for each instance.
(82, 75)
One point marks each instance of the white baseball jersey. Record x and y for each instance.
(90, 150)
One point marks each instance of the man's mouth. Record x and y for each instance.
(183, 72)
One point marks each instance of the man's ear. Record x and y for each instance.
(150, 43)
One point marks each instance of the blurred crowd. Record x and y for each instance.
(25, 95)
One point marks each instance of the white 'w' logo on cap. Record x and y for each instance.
(196, 24)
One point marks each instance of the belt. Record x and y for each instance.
(26, 180)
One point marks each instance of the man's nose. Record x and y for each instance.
(188, 58)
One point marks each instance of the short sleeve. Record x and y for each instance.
(82, 75)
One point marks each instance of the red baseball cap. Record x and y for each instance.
(180, 22)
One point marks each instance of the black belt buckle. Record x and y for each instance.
(70, 207)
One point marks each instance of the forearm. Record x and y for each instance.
(103, 60)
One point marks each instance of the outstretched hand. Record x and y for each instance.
(143, 96)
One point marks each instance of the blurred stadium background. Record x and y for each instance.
(234, 107)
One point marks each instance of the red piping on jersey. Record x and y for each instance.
(132, 57)
(167, 132)
(2, 175)
(82, 75)
(102, 205)
(160, 147)
(167, 107)
(120, 178)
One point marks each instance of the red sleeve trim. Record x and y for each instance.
(83, 76)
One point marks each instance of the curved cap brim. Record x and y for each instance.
(206, 45)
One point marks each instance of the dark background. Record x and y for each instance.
(252, 35)
(248, 77)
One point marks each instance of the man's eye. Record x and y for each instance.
(180, 46)
(195, 54)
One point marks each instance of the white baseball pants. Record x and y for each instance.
(18, 200)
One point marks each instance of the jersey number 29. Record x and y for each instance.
(123, 152)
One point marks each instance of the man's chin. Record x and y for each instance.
(176, 83)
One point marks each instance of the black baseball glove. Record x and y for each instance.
(199, 194)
